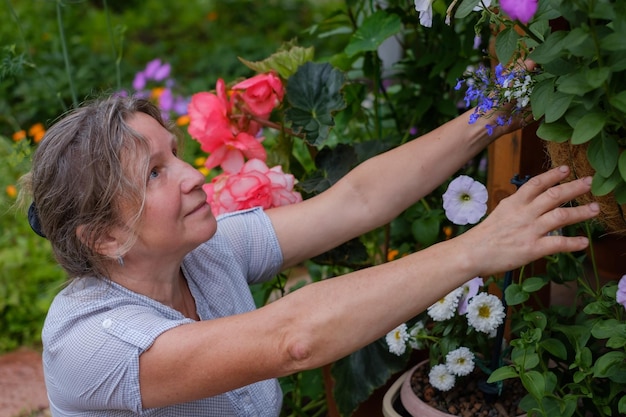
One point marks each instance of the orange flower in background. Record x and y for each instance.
(392, 254)
(182, 120)
(36, 132)
(11, 191)
(211, 16)
(19, 135)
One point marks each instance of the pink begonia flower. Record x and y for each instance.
(210, 125)
(470, 289)
(465, 201)
(425, 9)
(621, 291)
(255, 185)
(522, 10)
(261, 93)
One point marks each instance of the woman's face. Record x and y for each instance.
(176, 216)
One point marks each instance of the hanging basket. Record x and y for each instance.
(612, 214)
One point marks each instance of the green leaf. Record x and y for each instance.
(551, 49)
(426, 229)
(514, 295)
(602, 186)
(597, 76)
(285, 61)
(621, 165)
(602, 154)
(555, 347)
(506, 44)
(559, 103)
(374, 30)
(539, 99)
(314, 94)
(575, 83)
(360, 373)
(621, 406)
(533, 284)
(465, 8)
(588, 127)
(534, 382)
(503, 373)
(555, 132)
(605, 364)
(619, 101)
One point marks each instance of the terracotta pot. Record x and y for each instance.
(410, 401)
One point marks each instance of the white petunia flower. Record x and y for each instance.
(465, 200)
(444, 308)
(485, 312)
(440, 378)
(397, 338)
(425, 9)
(460, 362)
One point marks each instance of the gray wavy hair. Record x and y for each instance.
(87, 167)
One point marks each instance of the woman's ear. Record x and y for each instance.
(108, 244)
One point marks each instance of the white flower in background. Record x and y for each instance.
(485, 312)
(425, 9)
(417, 330)
(470, 289)
(460, 362)
(482, 4)
(465, 200)
(445, 308)
(397, 338)
(440, 378)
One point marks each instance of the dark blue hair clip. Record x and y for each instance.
(33, 220)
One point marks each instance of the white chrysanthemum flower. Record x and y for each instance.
(414, 341)
(397, 338)
(444, 308)
(440, 378)
(460, 362)
(485, 312)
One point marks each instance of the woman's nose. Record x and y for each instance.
(191, 178)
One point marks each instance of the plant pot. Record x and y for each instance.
(612, 215)
(411, 402)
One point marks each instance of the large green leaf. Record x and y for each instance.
(602, 154)
(314, 94)
(358, 375)
(559, 104)
(601, 185)
(286, 61)
(588, 127)
(506, 44)
(374, 30)
(550, 49)
(555, 132)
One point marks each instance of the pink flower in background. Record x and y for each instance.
(621, 291)
(522, 10)
(261, 93)
(210, 125)
(255, 185)
(470, 289)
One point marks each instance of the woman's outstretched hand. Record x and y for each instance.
(519, 230)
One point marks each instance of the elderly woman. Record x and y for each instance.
(158, 319)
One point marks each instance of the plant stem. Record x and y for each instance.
(116, 55)
(66, 58)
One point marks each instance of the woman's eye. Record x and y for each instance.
(154, 173)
